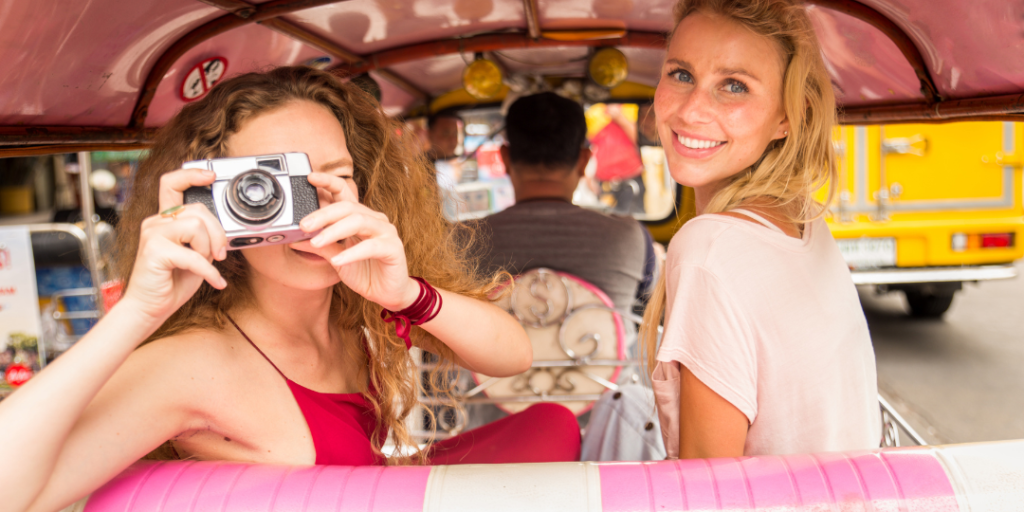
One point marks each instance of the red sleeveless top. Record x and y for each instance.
(341, 424)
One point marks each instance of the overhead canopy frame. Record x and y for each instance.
(15, 140)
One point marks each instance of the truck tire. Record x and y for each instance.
(928, 305)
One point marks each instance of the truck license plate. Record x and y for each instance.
(863, 253)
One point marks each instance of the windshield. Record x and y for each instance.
(626, 174)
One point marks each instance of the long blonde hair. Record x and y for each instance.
(793, 168)
(392, 178)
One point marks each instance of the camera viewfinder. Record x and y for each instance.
(270, 163)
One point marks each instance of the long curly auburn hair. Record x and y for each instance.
(392, 178)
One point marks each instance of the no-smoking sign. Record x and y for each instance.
(202, 77)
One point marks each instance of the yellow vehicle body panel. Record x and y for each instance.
(926, 243)
(921, 184)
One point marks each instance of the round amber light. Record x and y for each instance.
(608, 67)
(482, 79)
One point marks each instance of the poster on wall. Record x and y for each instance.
(19, 310)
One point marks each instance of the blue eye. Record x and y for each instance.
(681, 75)
(736, 87)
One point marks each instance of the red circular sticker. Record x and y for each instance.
(17, 374)
(202, 77)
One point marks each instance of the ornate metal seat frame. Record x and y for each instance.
(585, 364)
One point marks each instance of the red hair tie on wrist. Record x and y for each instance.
(426, 306)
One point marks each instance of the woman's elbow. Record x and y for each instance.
(520, 355)
(525, 353)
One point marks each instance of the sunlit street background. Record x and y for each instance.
(959, 379)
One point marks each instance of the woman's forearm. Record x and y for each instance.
(485, 338)
(37, 419)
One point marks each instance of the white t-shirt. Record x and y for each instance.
(773, 324)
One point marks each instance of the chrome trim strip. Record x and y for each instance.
(1009, 147)
(860, 140)
(1008, 143)
(933, 274)
(882, 194)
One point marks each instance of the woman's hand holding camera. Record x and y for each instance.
(361, 244)
(176, 249)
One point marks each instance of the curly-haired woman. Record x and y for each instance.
(279, 354)
(765, 348)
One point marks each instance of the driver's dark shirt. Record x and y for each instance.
(607, 251)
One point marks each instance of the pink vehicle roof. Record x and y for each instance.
(104, 73)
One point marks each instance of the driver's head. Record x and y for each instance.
(545, 132)
(443, 131)
(544, 155)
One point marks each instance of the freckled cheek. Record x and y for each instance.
(743, 124)
(666, 105)
(661, 99)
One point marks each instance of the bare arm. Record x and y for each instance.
(485, 338)
(143, 404)
(365, 250)
(82, 420)
(44, 412)
(709, 426)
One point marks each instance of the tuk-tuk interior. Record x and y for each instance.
(96, 82)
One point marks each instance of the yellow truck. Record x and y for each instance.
(924, 208)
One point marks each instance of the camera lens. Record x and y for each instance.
(255, 192)
(255, 196)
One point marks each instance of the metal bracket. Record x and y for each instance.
(1002, 159)
(906, 145)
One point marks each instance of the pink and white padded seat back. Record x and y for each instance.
(577, 335)
(983, 477)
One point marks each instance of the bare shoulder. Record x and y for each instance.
(202, 344)
(185, 360)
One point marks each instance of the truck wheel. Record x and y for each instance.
(928, 305)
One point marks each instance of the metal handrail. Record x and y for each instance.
(62, 227)
(57, 297)
(85, 244)
(92, 245)
(75, 315)
(74, 292)
(524, 399)
(557, 363)
(892, 419)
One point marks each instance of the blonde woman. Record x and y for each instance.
(277, 354)
(765, 348)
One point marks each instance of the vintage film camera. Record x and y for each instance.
(258, 199)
